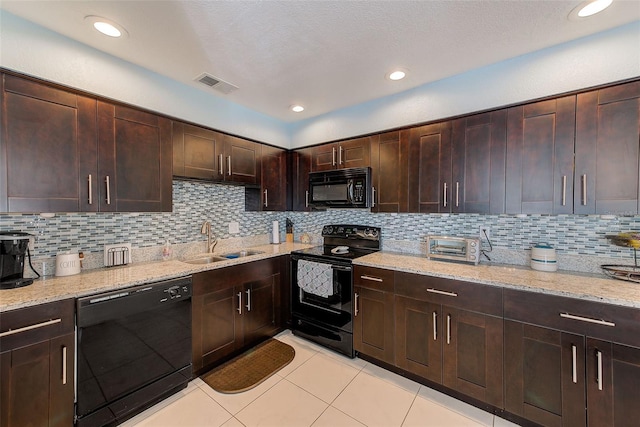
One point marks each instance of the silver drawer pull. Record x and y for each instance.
(599, 361)
(574, 363)
(239, 303)
(355, 304)
(108, 184)
(448, 329)
(564, 190)
(373, 279)
(435, 326)
(587, 319)
(584, 190)
(90, 190)
(30, 327)
(221, 165)
(439, 292)
(64, 365)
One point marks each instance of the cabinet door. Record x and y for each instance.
(324, 157)
(197, 152)
(540, 146)
(217, 325)
(479, 152)
(373, 323)
(390, 172)
(48, 151)
(607, 134)
(544, 375)
(354, 153)
(135, 160)
(242, 160)
(301, 165)
(472, 354)
(613, 378)
(259, 319)
(418, 337)
(37, 384)
(274, 179)
(430, 168)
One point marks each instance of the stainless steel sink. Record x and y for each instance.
(205, 259)
(240, 254)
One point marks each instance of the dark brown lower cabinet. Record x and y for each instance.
(233, 308)
(373, 318)
(37, 366)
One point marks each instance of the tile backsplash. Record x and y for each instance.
(193, 202)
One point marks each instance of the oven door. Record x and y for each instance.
(322, 291)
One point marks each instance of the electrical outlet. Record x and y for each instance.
(234, 227)
(485, 229)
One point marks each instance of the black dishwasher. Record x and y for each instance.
(134, 349)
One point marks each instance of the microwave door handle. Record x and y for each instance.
(350, 190)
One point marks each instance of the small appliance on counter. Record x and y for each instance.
(630, 273)
(14, 245)
(543, 258)
(450, 248)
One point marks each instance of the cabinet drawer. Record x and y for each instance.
(598, 320)
(373, 278)
(29, 325)
(454, 293)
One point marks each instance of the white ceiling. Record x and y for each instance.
(325, 55)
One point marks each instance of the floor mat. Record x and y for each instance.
(251, 368)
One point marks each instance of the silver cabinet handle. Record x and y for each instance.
(439, 292)
(306, 199)
(340, 156)
(30, 327)
(90, 190)
(435, 326)
(220, 164)
(574, 363)
(599, 361)
(444, 203)
(587, 319)
(584, 190)
(373, 197)
(355, 304)
(333, 156)
(108, 190)
(239, 302)
(373, 279)
(266, 199)
(457, 194)
(229, 165)
(448, 329)
(64, 364)
(564, 190)
(248, 291)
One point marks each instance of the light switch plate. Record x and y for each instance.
(234, 227)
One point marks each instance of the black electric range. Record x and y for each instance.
(322, 285)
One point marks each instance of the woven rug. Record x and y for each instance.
(251, 368)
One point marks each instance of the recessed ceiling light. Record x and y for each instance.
(297, 108)
(106, 26)
(397, 74)
(589, 8)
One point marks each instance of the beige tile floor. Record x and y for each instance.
(318, 388)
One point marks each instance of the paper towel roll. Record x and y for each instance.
(275, 233)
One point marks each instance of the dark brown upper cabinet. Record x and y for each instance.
(352, 153)
(48, 149)
(134, 171)
(540, 144)
(430, 168)
(607, 149)
(197, 152)
(65, 152)
(300, 168)
(390, 172)
(241, 161)
(478, 163)
(274, 179)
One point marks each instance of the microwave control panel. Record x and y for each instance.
(359, 187)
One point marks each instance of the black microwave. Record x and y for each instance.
(341, 188)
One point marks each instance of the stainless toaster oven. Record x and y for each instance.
(449, 248)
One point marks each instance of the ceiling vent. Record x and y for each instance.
(216, 83)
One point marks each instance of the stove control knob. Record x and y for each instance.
(340, 230)
(374, 232)
(327, 230)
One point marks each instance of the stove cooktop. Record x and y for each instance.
(361, 240)
(325, 252)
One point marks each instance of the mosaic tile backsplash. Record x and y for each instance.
(577, 236)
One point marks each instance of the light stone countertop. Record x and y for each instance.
(106, 279)
(561, 283)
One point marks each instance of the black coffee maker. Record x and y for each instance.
(13, 247)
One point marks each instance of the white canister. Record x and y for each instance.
(543, 257)
(67, 264)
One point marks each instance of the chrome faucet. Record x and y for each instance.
(212, 240)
